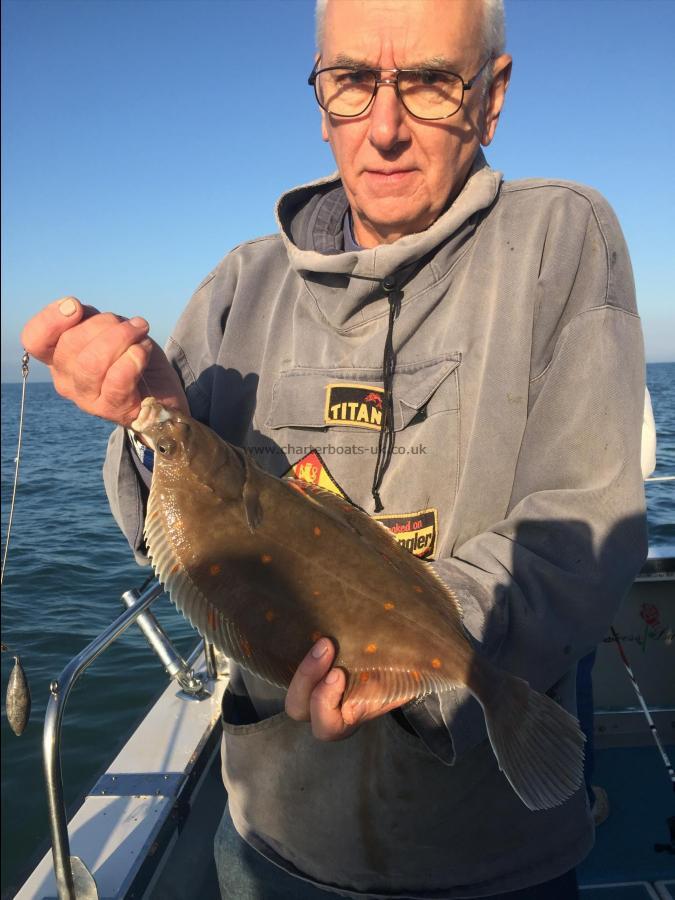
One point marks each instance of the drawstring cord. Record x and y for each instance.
(385, 445)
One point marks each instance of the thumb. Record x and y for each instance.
(42, 333)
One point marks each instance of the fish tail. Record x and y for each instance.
(539, 745)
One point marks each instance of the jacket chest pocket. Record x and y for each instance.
(328, 423)
(349, 398)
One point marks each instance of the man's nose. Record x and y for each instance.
(387, 118)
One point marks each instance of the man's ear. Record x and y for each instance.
(501, 75)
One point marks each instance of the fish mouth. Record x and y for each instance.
(151, 414)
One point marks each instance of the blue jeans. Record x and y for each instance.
(244, 874)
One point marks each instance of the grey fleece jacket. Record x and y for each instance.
(518, 396)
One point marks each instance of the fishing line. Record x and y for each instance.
(17, 699)
(645, 708)
(17, 459)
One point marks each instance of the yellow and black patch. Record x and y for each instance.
(312, 469)
(356, 405)
(416, 531)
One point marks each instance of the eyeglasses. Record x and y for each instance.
(425, 93)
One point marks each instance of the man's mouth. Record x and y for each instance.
(388, 176)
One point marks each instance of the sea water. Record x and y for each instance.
(67, 567)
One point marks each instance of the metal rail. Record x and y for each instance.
(159, 642)
(73, 879)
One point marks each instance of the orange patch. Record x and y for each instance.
(215, 569)
(371, 648)
(388, 606)
(415, 674)
(436, 663)
(246, 647)
(265, 559)
(270, 615)
(316, 593)
(417, 589)
(175, 568)
(212, 618)
(363, 677)
(317, 530)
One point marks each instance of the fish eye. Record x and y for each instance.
(166, 446)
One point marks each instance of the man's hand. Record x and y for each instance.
(102, 362)
(315, 695)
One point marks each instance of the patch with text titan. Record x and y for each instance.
(357, 405)
(415, 531)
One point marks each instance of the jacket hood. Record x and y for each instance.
(311, 219)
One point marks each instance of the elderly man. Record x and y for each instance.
(461, 357)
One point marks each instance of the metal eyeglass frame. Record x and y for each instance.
(393, 81)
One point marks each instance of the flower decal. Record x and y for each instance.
(649, 613)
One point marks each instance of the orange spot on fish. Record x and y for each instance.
(317, 530)
(388, 606)
(436, 663)
(316, 593)
(363, 677)
(371, 648)
(175, 568)
(270, 615)
(265, 559)
(417, 589)
(214, 569)
(246, 647)
(415, 674)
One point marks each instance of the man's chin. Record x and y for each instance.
(386, 224)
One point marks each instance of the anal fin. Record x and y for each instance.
(371, 690)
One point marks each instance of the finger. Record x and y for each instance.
(325, 708)
(309, 673)
(89, 366)
(41, 334)
(120, 397)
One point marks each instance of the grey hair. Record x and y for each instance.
(493, 26)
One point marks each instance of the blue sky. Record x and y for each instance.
(143, 139)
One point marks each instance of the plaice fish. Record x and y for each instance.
(263, 567)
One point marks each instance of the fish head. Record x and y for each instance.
(181, 443)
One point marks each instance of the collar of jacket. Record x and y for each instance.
(311, 218)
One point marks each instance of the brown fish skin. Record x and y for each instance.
(262, 567)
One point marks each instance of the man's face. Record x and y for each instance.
(400, 172)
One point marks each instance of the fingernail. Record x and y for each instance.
(146, 344)
(67, 307)
(319, 649)
(137, 322)
(332, 676)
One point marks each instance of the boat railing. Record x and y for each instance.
(74, 880)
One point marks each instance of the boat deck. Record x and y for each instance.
(640, 804)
